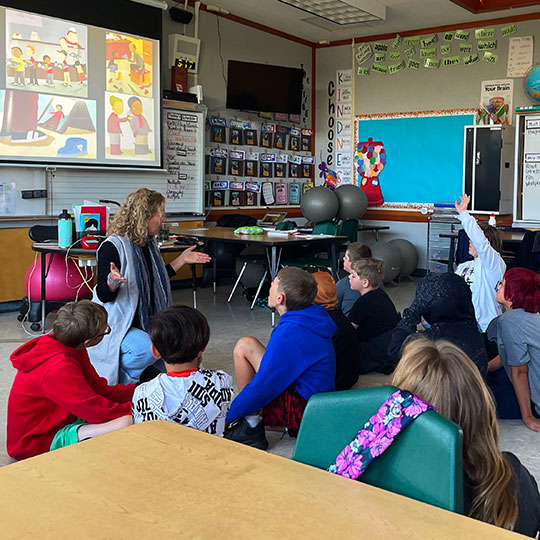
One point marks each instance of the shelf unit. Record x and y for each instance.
(438, 249)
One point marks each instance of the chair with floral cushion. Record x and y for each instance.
(425, 461)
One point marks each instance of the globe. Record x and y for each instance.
(531, 82)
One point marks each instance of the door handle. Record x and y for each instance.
(478, 159)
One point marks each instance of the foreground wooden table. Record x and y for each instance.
(160, 480)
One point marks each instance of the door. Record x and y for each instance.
(487, 169)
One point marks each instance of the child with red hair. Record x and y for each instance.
(514, 375)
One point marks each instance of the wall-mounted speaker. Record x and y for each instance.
(180, 15)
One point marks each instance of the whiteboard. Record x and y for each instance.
(530, 173)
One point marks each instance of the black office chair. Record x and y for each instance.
(31, 309)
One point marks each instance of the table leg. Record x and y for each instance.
(333, 259)
(194, 283)
(273, 262)
(451, 255)
(43, 291)
(214, 266)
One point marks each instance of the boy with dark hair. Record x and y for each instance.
(57, 398)
(373, 315)
(187, 394)
(298, 362)
(347, 296)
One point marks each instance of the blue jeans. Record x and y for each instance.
(135, 356)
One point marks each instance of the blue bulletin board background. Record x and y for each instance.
(424, 155)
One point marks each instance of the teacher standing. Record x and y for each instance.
(133, 284)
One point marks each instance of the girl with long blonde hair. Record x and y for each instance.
(133, 284)
(498, 489)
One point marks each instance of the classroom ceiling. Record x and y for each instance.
(401, 15)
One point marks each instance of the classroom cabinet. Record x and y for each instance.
(489, 168)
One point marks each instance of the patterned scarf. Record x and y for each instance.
(161, 284)
(378, 433)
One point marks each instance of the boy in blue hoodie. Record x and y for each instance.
(275, 383)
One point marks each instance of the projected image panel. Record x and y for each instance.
(129, 64)
(129, 121)
(38, 125)
(47, 53)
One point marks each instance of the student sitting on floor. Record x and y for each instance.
(444, 301)
(347, 296)
(373, 315)
(57, 398)
(485, 272)
(344, 340)
(514, 375)
(187, 394)
(298, 362)
(498, 489)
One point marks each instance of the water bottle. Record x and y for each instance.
(65, 229)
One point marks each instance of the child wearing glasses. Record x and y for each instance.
(57, 398)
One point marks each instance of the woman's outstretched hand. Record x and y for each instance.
(190, 256)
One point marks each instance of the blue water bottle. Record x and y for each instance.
(65, 229)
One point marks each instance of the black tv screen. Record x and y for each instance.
(259, 87)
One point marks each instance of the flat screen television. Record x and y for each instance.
(260, 87)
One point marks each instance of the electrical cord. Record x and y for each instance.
(220, 51)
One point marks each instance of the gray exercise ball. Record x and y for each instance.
(252, 274)
(319, 204)
(352, 201)
(409, 255)
(389, 254)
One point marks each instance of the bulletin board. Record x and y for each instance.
(424, 153)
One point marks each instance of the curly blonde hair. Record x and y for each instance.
(131, 219)
(443, 375)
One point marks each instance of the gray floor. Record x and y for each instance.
(228, 322)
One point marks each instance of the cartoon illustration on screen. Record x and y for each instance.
(42, 51)
(128, 64)
(370, 159)
(128, 120)
(41, 125)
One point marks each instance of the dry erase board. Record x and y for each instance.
(424, 153)
(527, 192)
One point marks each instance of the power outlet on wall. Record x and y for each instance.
(34, 193)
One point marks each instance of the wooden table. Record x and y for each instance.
(52, 248)
(272, 243)
(158, 480)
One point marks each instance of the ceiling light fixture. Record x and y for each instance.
(342, 12)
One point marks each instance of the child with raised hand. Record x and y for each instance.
(498, 489)
(187, 394)
(347, 296)
(485, 272)
(514, 375)
(57, 398)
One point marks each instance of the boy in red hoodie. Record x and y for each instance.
(57, 397)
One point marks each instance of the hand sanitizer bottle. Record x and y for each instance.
(492, 221)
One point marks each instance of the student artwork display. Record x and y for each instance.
(280, 137)
(128, 64)
(218, 160)
(236, 132)
(267, 135)
(370, 159)
(281, 193)
(217, 129)
(236, 163)
(129, 132)
(252, 164)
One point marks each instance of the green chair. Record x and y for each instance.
(425, 462)
(348, 228)
(310, 256)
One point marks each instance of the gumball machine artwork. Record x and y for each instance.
(370, 159)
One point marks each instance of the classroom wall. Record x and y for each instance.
(238, 42)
